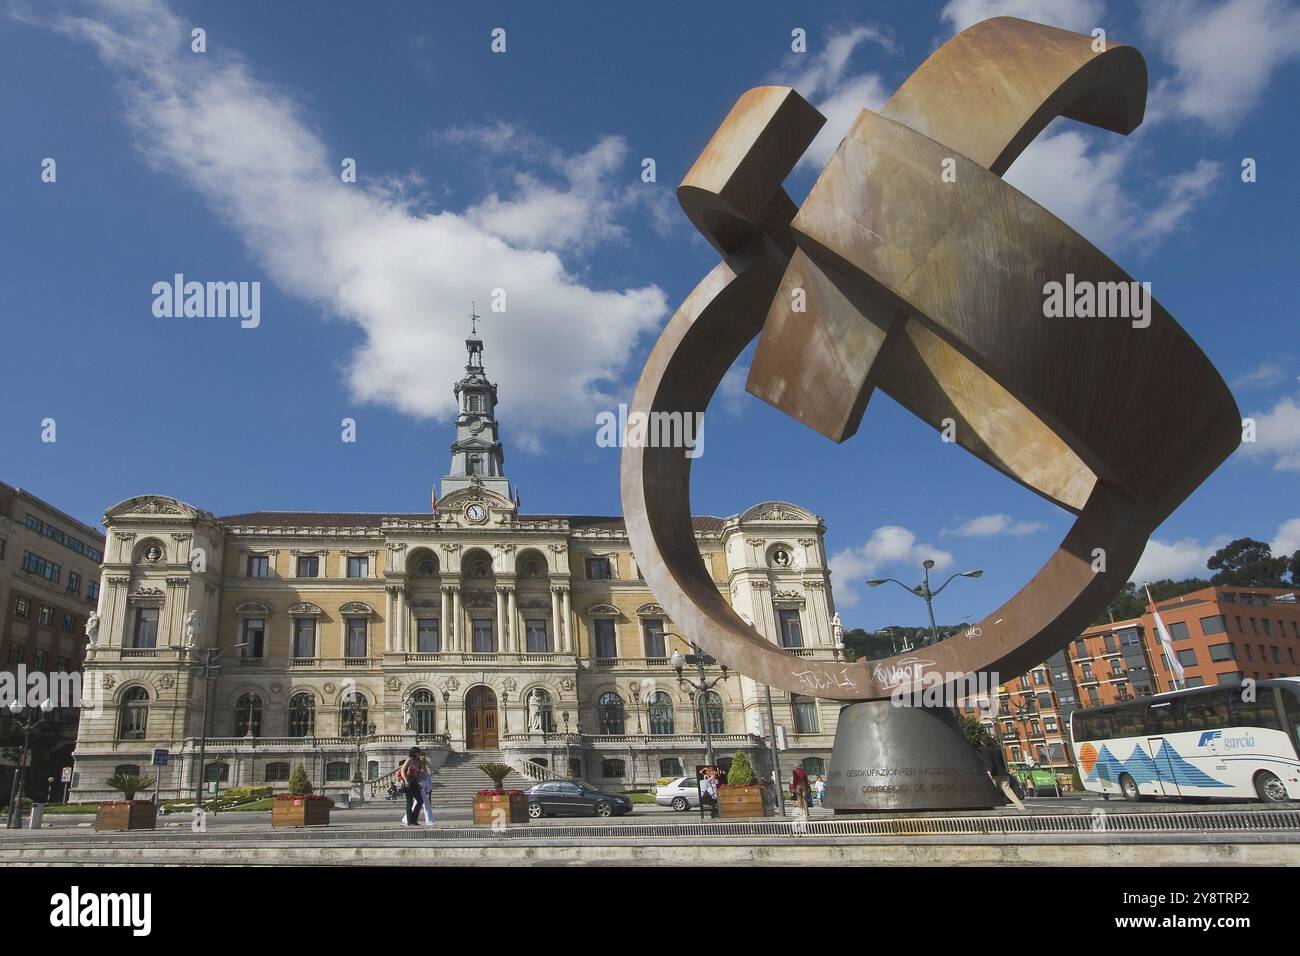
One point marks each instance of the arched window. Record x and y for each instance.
(670, 767)
(248, 716)
(609, 711)
(218, 771)
(127, 769)
(661, 714)
(354, 715)
(814, 766)
(277, 772)
(541, 712)
(424, 711)
(372, 770)
(611, 769)
(133, 714)
(302, 715)
(711, 712)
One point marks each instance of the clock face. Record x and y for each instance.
(475, 513)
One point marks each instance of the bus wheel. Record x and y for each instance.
(1129, 788)
(1269, 787)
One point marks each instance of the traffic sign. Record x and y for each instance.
(160, 756)
(66, 775)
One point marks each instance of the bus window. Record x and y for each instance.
(1091, 726)
(1207, 712)
(1260, 712)
(1128, 722)
(1291, 701)
(1165, 718)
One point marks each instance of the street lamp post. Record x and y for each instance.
(701, 687)
(205, 671)
(925, 592)
(29, 724)
(358, 779)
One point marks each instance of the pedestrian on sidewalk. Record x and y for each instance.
(819, 788)
(409, 773)
(426, 787)
(800, 791)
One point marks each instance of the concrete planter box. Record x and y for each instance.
(741, 802)
(513, 805)
(301, 812)
(126, 815)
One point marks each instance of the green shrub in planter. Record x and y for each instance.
(299, 782)
(741, 773)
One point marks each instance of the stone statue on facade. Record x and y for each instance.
(92, 629)
(193, 628)
(408, 713)
(536, 718)
(837, 630)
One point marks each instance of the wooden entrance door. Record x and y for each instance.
(481, 719)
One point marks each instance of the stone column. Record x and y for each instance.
(389, 637)
(444, 624)
(399, 609)
(503, 639)
(457, 631)
(118, 623)
(512, 615)
(557, 640)
(569, 645)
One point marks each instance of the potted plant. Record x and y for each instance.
(741, 795)
(499, 804)
(130, 813)
(300, 807)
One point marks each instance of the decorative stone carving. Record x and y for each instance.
(330, 687)
(356, 607)
(107, 681)
(450, 548)
(178, 582)
(305, 609)
(566, 684)
(393, 684)
(478, 599)
(166, 681)
(509, 684)
(452, 684)
(253, 609)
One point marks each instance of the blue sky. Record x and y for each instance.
(521, 170)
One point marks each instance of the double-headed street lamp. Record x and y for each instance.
(205, 671)
(29, 724)
(924, 591)
(701, 687)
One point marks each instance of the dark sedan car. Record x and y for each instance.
(574, 798)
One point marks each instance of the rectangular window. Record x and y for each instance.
(22, 607)
(1277, 654)
(309, 566)
(47, 616)
(258, 565)
(1268, 626)
(427, 640)
(1129, 636)
(791, 631)
(40, 657)
(358, 566)
(69, 623)
(254, 639)
(804, 711)
(1094, 699)
(1049, 724)
(1178, 631)
(599, 569)
(654, 638)
(1214, 624)
(34, 564)
(92, 591)
(146, 627)
(606, 637)
(356, 640)
(535, 635)
(1040, 677)
(304, 637)
(484, 638)
(1222, 652)
(74, 582)
(1254, 627)
(1241, 628)
(16, 653)
(1250, 653)
(1187, 658)
(64, 665)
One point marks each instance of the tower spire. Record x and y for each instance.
(477, 458)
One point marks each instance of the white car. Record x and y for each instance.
(681, 793)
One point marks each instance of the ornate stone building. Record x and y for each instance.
(346, 638)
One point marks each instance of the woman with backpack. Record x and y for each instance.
(409, 774)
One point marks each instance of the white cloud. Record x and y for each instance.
(889, 546)
(1224, 54)
(1175, 560)
(1093, 187)
(1287, 541)
(1078, 15)
(1263, 375)
(824, 79)
(1277, 436)
(731, 391)
(986, 526)
(404, 276)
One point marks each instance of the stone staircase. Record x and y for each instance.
(457, 780)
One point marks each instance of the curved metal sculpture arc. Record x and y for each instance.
(933, 292)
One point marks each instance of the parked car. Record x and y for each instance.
(683, 793)
(574, 798)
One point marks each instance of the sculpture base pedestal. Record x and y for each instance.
(891, 758)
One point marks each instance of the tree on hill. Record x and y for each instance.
(1251, 564)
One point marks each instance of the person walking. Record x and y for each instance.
(426, 787)
(409, 772)
(995, 765)
(799, 788)
(819, 788)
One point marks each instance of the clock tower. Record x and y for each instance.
(477, 458)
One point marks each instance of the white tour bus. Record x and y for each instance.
(1207, 742)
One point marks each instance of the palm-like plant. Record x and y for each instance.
(497, 771)
(129, 783)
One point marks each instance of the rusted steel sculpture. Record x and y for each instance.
(933, 292)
